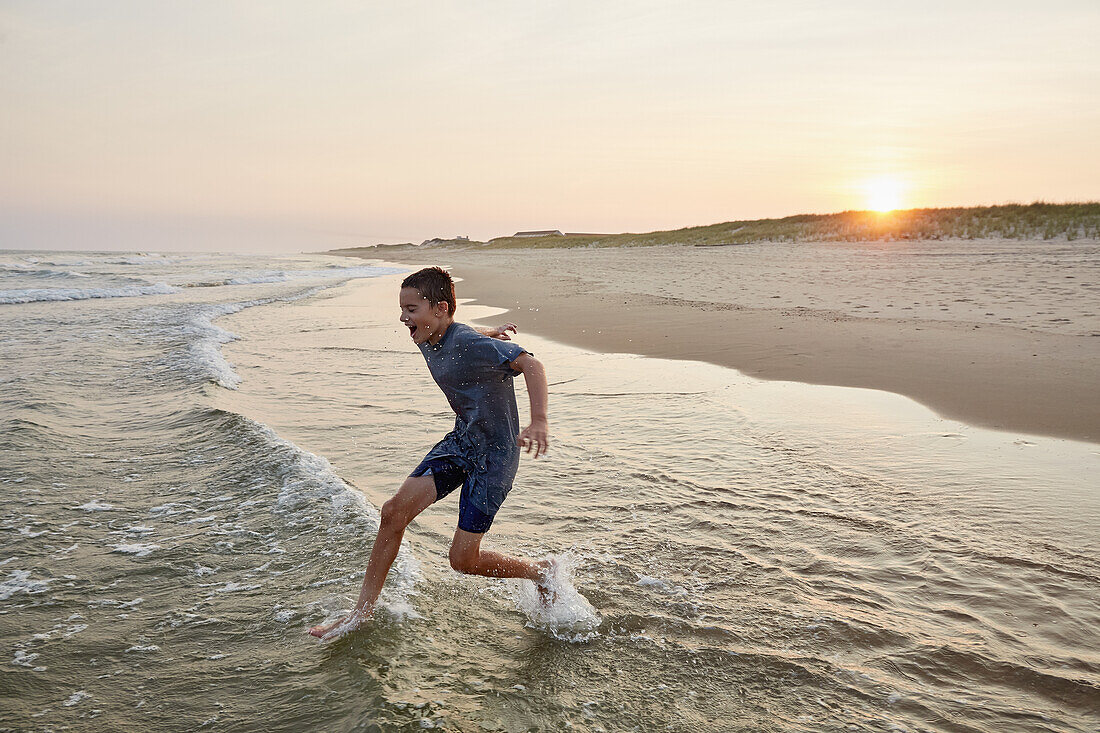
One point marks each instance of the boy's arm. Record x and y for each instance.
(498, 332)
(536, 435)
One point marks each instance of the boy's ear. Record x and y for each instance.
(441, 309)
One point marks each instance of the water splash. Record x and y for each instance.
(568, 616)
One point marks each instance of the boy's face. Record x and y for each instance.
(424, 321)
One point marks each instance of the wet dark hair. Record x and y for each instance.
(435, 284)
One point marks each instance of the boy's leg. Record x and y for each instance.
(468, 557)
(416, 494)
(473, 522)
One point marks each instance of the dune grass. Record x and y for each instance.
(1037, 221)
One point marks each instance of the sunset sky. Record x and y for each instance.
(285, 125)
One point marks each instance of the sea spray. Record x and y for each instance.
(568, 616)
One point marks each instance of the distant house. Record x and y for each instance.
(542, 233)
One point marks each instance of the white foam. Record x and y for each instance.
(36, 295)
(661, 585)
(309, 479)
(349, 623)
(137, 549)
(139, 529)
(569, 616)
(232, 587)
(75, 698)
(24, 659)
(19, 582)
(205, 352)
(396, 611)
(149, 648)
(393, 604)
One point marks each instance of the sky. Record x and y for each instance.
(291, 126)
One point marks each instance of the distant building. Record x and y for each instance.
(542, 233)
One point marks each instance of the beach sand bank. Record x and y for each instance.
(1001, 334)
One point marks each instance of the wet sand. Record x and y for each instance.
(997, 334)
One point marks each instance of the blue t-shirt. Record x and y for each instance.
(474, 371)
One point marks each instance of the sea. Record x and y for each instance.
(194, 447)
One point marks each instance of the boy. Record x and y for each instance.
(481, 454)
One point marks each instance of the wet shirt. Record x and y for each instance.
(474, 372)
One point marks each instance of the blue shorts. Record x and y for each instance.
(449, 477)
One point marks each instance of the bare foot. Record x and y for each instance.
(338, 628)
(545, 585)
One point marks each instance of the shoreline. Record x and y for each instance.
(989, 375)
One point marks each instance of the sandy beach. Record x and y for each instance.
(1000, 334)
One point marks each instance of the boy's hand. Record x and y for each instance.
(500, 332)
(535, 436)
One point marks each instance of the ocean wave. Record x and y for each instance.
(310, 494)
(41, 272)
(276, 277)
(204, 352)
(36, 295)
(140, 259)
(30, 263)
(305, 479)
(328, 273)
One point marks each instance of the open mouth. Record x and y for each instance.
(412, 329)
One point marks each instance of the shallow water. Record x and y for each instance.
(761, 555)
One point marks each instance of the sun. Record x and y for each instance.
(883, 193)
